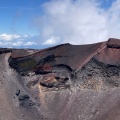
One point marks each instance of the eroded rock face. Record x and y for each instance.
(65, 82)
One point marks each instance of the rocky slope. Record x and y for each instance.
(65, 82)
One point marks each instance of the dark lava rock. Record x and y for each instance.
(25, 101)
(23, 97)
(17, 92)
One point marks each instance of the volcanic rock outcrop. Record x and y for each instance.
(65, 82)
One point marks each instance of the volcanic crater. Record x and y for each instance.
(64, 82)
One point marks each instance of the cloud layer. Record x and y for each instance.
(78, 21)
(8, 37)
(15, 40)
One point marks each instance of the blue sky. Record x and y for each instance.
(106, 4)
(44, 23)
(16, 16)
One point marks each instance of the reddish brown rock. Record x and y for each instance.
(113, 43)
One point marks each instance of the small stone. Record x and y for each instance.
(94, 111)
(17, 92)
(23, 97)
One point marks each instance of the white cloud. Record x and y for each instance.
(9, 37)
(29, 43)
(78, 21)
(25, 36)
(18, 43)
(113, 18)
(12, 44)
(15, 40)
(53, 40)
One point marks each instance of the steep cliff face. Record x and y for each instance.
(65, 82)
